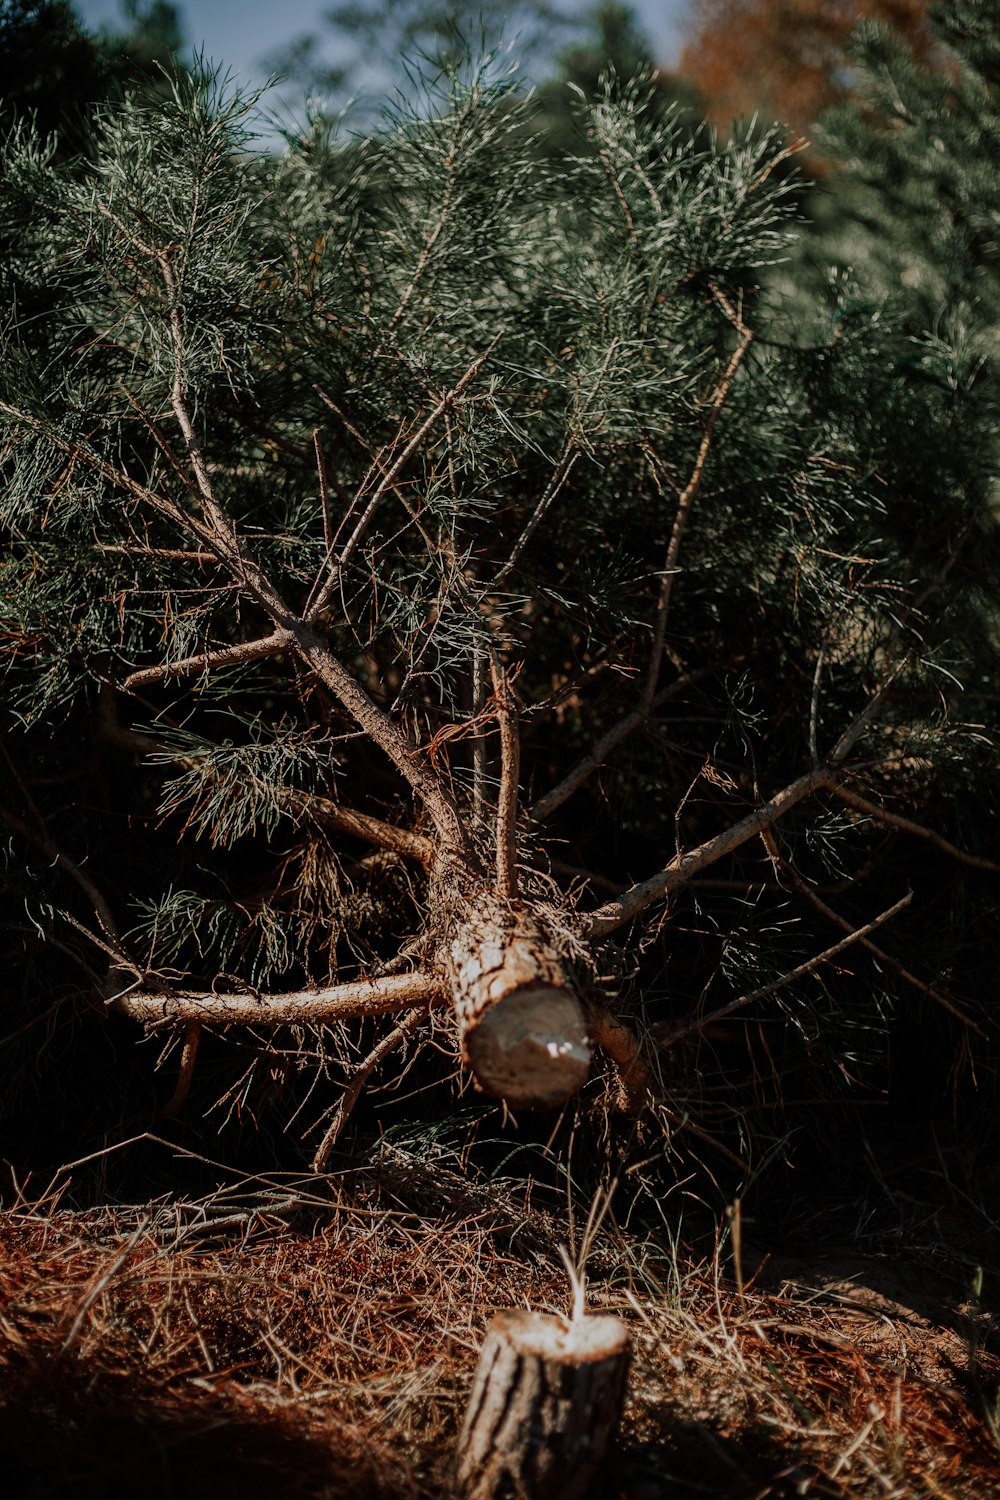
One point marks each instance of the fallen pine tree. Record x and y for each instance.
(427, 563)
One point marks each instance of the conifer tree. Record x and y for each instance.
(917, 192)
(436, 586)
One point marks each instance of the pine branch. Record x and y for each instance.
(907, 825)
(220, 540)
(207, 661)
(444, 214)
(352, 1093)
(668, 1037)
(682, 867)
(321, 810)
(320, 1007)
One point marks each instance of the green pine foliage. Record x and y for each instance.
(541, 375)
(916, 154)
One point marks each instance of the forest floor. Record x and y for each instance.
(316, 1337)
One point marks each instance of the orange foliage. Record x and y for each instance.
(785, 59)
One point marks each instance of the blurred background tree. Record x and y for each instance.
(785, 59)
(54, 72)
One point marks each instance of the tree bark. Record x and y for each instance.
(544, 1409)
(524, 1032)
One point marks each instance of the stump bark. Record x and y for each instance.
(544, 1409)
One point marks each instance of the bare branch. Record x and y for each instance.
(324, 493)
(814, 709)
(206, 661)
(510, 765)
(404, 755)
(173, 554)
(562, 472)
(402, 841)
(682, 867)
(812, 896)
(323, 1007)
(598, 754)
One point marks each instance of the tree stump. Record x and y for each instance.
(544, 1409)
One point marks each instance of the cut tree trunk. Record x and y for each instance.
(524, 1032)
(544, 1409)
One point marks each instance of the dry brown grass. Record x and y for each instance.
(317, 1338)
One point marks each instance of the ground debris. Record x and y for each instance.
(242, 1347)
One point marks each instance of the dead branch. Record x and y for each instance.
(361, 825)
